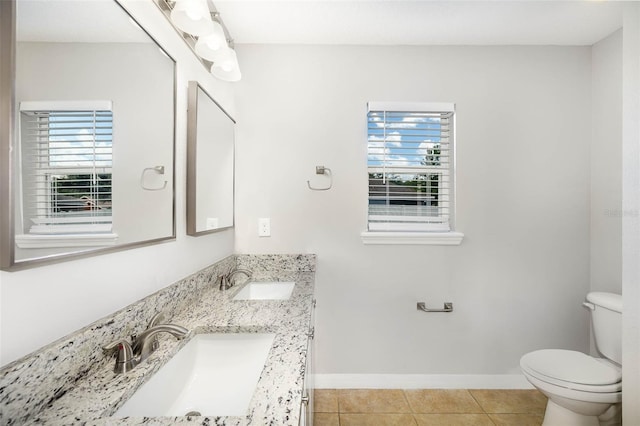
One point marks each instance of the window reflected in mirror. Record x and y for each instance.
(67, 159)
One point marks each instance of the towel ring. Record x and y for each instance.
(157, 169)
(322, 170)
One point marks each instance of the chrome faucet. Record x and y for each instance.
(224, 281)
(128, 355)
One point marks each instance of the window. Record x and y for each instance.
(67, 156)
(410, 170)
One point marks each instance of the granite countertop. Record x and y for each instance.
(278, 395)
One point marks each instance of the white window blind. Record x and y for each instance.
(66, 168)
(409, 162)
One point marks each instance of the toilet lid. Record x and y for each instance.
(571, 366)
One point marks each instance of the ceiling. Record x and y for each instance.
(420, 22)
(362, 22)
(88, 21)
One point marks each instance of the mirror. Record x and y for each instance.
(92, 133)
(210, 158)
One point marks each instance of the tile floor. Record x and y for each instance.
(421, 407)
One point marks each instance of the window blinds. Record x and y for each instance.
(409, 159)
(67, 168)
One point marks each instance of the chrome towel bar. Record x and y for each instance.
(448, 307)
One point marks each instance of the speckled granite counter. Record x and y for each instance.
(90, 392)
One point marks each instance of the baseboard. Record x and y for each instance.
(421, 381)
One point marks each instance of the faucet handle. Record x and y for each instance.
(125, 360)
(157, 319)
(222, 282)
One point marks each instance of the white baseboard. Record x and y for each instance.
(421, 381)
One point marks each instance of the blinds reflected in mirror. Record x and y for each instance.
(67, 160)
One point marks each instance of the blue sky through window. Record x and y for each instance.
(78, 139)
(403, 139)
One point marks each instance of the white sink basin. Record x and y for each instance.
(272, 290)
(213, 374)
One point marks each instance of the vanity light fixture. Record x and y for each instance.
(202, 28)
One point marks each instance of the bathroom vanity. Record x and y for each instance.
(71, 381)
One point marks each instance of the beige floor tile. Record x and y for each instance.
(442, 401)
(511, 401)
(347, 419)
(372, 401)
(325, 400)
(516, 419)
(326, 419)
(453, 420)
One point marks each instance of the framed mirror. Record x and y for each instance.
(210, 164)
(90, 109)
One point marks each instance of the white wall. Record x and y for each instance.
(631, 215)
(606, 165)
(523, 130)
(42, 304)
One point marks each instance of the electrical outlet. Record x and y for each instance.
(264, 227)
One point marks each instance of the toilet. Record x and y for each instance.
(583, 390)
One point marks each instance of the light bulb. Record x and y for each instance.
(233, 75)
(193, 14)
(213, 45)
(227, 68)
(193, 17)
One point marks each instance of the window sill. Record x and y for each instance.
(65, 240)
(413, 238)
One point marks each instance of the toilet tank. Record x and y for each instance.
(606, 318)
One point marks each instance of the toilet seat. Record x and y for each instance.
(573, 370)
(553, 391)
